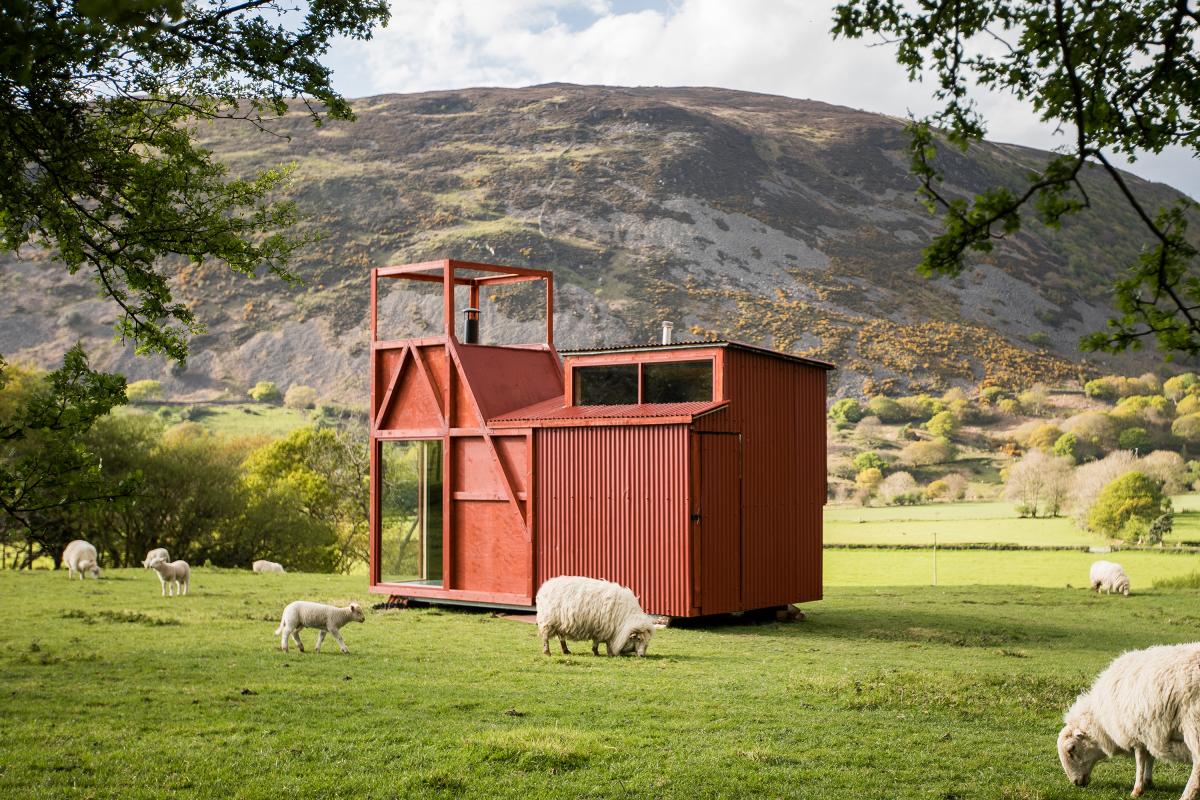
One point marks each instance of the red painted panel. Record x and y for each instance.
(514, 453)
(473, 466)
(611, 503)
(412, 403)
(508, 378)
(717, 531)
(490, 551)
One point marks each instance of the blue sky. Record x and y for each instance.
(773, 46)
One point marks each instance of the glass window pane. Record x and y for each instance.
(614, 385)
(677, 382)
(411, 512)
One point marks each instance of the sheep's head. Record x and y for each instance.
(1123, 587)
(154, 562)
(639, 638)
(356, 613)
(1078, 753)
(95, 570)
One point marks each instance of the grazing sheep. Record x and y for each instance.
(175, 574)
(577, 608)
(266, 566)
(1110, 577)
(81, 557)
(1147, 702)
(326, 619)
(154, 555)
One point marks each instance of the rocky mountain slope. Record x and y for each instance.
(783, 222)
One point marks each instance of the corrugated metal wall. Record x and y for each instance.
(779, 407)
(718, 536)
(611, 503)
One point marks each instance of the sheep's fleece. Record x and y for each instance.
(577, 608)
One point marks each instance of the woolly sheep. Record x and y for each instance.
(576, 608)
(1110, 577)
(79, 556)
(326, 619)
(1147, 702)
(155, 554)
(175, 575)
(266, 566)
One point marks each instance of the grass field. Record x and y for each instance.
(900, 692)
(972, 523)
(241, 419)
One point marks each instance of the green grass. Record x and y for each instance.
(904, 692)
(242, 419)
(979, 523)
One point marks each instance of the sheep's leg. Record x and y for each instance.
(320, 638)
(563, 644)
(1191, 737)
(186, 584)
(595, 647)
(341, 642)
(163, 583)
(296, 636)
(283, 640)
(612, 649)
(1142, 760)
(544, 633)
(1148, 772)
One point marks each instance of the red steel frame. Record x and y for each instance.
(448, 413)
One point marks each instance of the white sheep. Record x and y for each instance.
(175, 575)
(1110, 577)
(79, 556)
(1147, 702)
(263, 565)
(155, 554)
(576, 608)
(326, 619)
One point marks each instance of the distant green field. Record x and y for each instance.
(242, 419)
(977, 523)
(112, 691)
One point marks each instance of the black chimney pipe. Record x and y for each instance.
(471, 335)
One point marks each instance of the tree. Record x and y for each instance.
(1038, 484)
(1128, 506)
(98, 163)
(1135, 439)
(900, 489)
(1067, 446)
(45, 466)
(1090, 479)
(1187, 428)
(867, 460)
(887, 409)
(1118, 76)
(1044, 436)
(1178, 386)
(921, 454)
(869, 478)
(942, 424)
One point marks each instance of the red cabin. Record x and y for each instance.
(692, 472)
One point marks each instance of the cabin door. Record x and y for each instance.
(717, 521)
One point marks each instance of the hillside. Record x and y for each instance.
(784, 222)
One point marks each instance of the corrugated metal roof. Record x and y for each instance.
(556, 410)
(698, 343)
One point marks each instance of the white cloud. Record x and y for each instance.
(773, 46)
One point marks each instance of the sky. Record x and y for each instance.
(778, 47)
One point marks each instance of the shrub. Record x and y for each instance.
(898, 488)
(937, 490)
(1175, 388)
(1111, 387)
(141, 391)
(1168, 468)
(867, 460)
(1090, 480)
(990, 394)
(1136, 439)
(1043, 436)
(265, 392)
(1188, 405)
(956, 485)
(1094, 430)
(921, 454)
(888, 410)
(1034, 400)
(869, 478)
(921, 407)
(942, 425)
(1187, 428)
(300, 397)
(1009, 407)
(1067, 446)
(1128, 506)
(1154, 409)
(846, 411)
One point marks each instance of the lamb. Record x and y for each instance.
(266, 566)
(1110, 577)
(576, 608)
(1147, 702)
(156, 553)
(79, 556)
(326, 619)
(176, 574)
